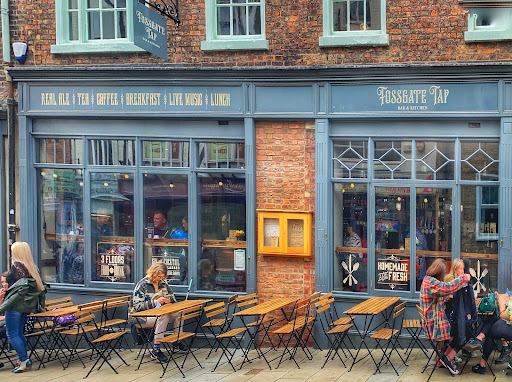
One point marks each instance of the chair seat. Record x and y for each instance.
(109, 336)
(172, 338)
(411, 324)
(342, 321)
(232, 333)
(215, 322)
(384, 334)
(340, 329)
(76, 331)
(112, 322)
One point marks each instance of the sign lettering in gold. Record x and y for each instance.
(220, 99)
(106, 99)
(412, 99)
(144, 99)
(54, 99)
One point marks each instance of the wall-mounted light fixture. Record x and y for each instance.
(20, 51)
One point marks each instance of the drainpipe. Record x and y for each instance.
(11, 131)
(6, 37)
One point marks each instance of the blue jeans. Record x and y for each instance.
(15, 323)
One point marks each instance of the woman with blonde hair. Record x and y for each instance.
(25, 295)
(151, 292)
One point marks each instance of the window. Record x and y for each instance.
(235, 25)
(354, 22)
(488, 24)
(488, 20)
(89, 190)
(88, 26)
(405, 194)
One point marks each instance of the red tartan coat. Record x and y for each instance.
(432, 301)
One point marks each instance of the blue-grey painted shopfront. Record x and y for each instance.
(420, 102)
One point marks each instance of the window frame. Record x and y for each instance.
(65, 46)
(500, 32)
(480, 236)
(352, 38)
(229, 42)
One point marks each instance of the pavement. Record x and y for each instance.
(257, 371)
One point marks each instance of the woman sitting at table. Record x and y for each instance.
(153, 291)
(433, 294)
(501, 329)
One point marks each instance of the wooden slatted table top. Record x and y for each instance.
(267, 306)
(372, 306)
(57, 312)
(170, 308)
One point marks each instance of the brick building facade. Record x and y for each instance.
(426, 44)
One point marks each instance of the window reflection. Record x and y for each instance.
(166, 224)
(62, 225)
(112, 227)
(222, 226)
(350, 238)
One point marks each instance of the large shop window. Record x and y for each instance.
(413, 218)
(109, 185)
(89, 26)
(354, 22)
(235, 25)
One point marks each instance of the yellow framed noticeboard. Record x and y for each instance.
(284, 233)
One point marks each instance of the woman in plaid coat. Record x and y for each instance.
(433, 294)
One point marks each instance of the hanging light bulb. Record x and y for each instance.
(55, 175)
(351, 185)
(43, 173)
(399, 206)
(220, 183)
(399, 198)
(126, 176)
(171, 185)
(425, 200)
(105, 184)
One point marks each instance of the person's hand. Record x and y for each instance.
(466, 277)
(162, 300)
(2, 293)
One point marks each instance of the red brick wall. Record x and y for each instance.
(420, 31)
(285, 180)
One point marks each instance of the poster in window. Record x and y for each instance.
(295, 233)
(114, 261)
(392, 273)
(271, 232)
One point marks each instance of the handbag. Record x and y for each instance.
(488, 305)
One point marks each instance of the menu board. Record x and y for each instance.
(271, 232)
(295, 233)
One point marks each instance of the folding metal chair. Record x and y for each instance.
(295, 329)
(104, 346)
(190, 317)
(221, 321)
(263, 324)
(324, 311)
(413, 327)
(433, 344)
(391, 336)
(234, 337)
